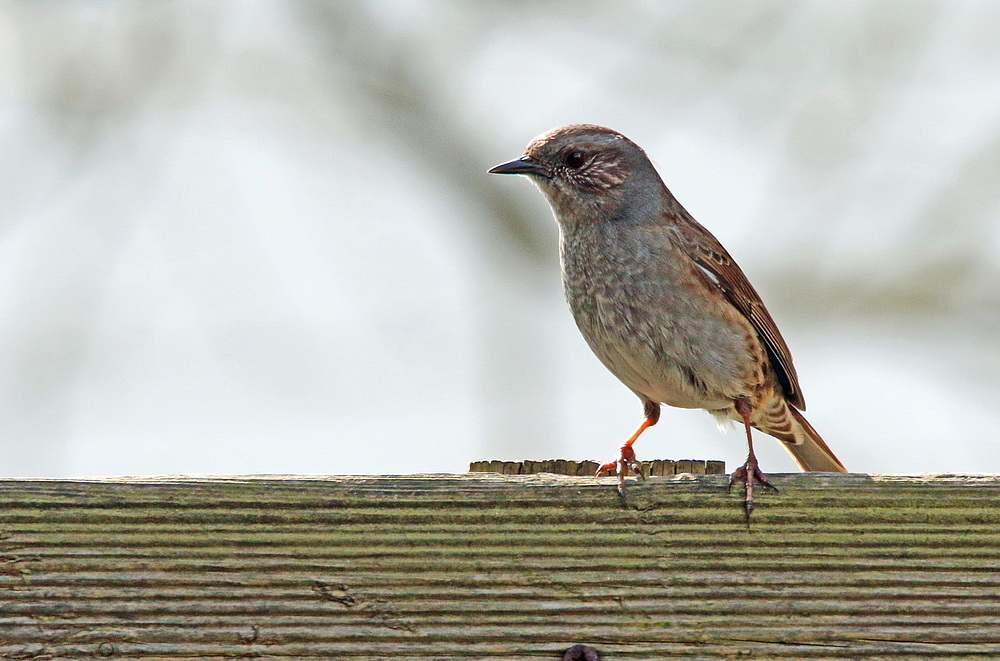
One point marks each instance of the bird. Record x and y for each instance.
(661, 302)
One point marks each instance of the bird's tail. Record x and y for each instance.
(804, 443)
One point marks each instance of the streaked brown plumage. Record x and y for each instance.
(661, 302)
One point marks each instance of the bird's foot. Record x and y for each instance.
(747, 473)
(621, 465)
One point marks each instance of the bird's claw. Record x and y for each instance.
(620, 466)
(748, 473)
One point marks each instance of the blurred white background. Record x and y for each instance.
(259, 237)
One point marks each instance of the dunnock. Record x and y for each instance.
(661, 302)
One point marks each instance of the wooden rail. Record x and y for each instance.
(486, 566)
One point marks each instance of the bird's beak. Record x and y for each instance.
(523, 165)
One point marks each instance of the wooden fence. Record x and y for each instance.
(488, 566)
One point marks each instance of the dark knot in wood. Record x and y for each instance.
(581, 653)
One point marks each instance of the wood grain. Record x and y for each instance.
(485, 566)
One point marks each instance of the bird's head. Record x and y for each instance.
(582, 168)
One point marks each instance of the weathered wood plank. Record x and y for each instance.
(655, 468)
(499, 566)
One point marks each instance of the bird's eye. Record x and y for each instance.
(575, 159)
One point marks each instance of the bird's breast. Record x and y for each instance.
(645, 315)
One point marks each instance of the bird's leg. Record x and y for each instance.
(750, 470)
(626, 455)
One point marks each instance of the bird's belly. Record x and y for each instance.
(694, 366)
(657, 377)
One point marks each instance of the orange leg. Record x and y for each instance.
(626, 455)
(749, 471)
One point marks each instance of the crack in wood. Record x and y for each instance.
(378, 610)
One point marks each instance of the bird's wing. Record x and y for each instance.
(706, 251)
